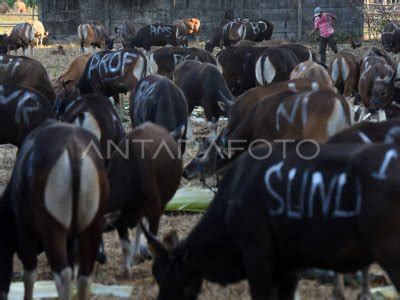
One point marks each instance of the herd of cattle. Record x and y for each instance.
(276, 213)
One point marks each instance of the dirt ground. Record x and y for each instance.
(144, 286)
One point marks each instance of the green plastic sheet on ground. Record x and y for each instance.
(190, 199)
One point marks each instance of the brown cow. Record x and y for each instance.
(40, 33)
(58, 192)
(27, 72)
(206, 165)
(94, 35)
(391, 38)
(20, 7)
(142, 184)
(376, 85)
(345, 71)
(22, 36)
(312, 70)
(4, 8)
(74, 72)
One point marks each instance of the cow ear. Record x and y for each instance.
(155, 245)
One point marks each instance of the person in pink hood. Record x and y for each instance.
(323, 23)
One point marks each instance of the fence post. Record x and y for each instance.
(299, 19)
(107, 15)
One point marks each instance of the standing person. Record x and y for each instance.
(323, 23)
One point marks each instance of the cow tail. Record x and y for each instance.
(31, 33)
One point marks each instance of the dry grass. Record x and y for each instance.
(143, 284)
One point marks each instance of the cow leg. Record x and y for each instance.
(120, 105)
(139, 253)
(88, 243)
(189, 134)
(55, 247)
(28, 245)
(126, 248)
(287, 287)
(213, 126)
(338, 289)
(25, 51)
(365, 292)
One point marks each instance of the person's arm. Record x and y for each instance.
(316, 27)
(334, 18)
(313, 31)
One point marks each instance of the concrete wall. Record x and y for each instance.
(63, 16)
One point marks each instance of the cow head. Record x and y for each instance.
(64, 99)
(383, 92)
(109, 44)
(209, 158)
(4, 43)
(169, 268)
(237, 31)
(387, 41)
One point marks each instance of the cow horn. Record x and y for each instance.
(155, 245)
(178, 132)
(225, 104)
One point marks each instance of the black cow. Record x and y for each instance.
(157, 99)
(273, 217)
(21, 110)
(4, 42)
(113, 72)
(391, 38)
(203, 85)
(237, 65)
(370, 132)
(259, 31)
(155, 35)
(276, 64)
(164, 60)
(228, 33)
(95, 113)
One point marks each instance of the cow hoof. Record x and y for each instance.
(364, 296)
(337, 294)
(126, 274)
(145, 252)
(137, 259)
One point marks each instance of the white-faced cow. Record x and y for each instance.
(124, 31)
(158, 100)
(155, 35)
(164, 60)
(203, 85)
(94, 35)
(271, 221)
(345, 72)
(143, 179)
(113, 72)
(22, 36)
(27, 72)
(57, 197)
(21, 110)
